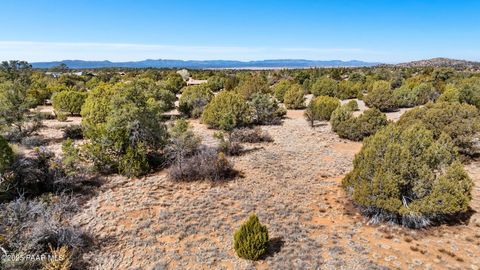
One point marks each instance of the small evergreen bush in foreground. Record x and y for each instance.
(251, 239)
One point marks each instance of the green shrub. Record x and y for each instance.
(227, 110)
(294, 98)
(352, 105)
(381, 97)
(324, 87)
(6, 156)
(251, 85)
(406, 175)
(124, 127)
(338, 120)
(70, 155)
(215, 83)
(62, 117)
(418, 95)
(157, 92)
(405, 97)
(451, 94)
(425, 92)
(460, 121)
(266, 109)
(356, 128)
(321, 108)
(194, 99)
(251, 239)
(174, 83)
(68, 102)
(470, 92)
(15, 107)
(182, 141)
(227, 145)
(74, 132)
(348, 89)
(280, 88)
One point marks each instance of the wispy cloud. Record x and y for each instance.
(48, 51)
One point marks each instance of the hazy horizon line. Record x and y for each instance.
(42, 51)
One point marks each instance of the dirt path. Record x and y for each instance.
(293, 184)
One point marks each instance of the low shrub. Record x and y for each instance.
(250, 241)
(45, 115)
(182, 142)
(324, 87)
(6, 156)
(280, 88)
(381, 97)
(33, 141)
(61, 259)
(352, 105)
(74, 132)
(124, 126)
(62, 117)
(250, 135)
(294, 98)
(70, 156)
(470, 92)
(38, 225)
(55, 234)
(356, 128)
(226, 111)
(228, 146)
(68, 102)
(450, 94)
(194, 99)
(405, 175)
(418, 95)
(460, 121)
(251, 85)
(36, 174)
(206, 164)
(266, 110)
(17, 133)
(321, 108)
(215, 83)
(348, 89)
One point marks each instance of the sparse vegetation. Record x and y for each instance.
(250, 135)
(408, 172)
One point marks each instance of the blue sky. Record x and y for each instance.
(383, 31)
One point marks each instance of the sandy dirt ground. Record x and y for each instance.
(293, 184)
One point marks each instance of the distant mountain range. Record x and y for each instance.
(206, 64)
(441, 62)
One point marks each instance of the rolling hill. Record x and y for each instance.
(201, 64)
